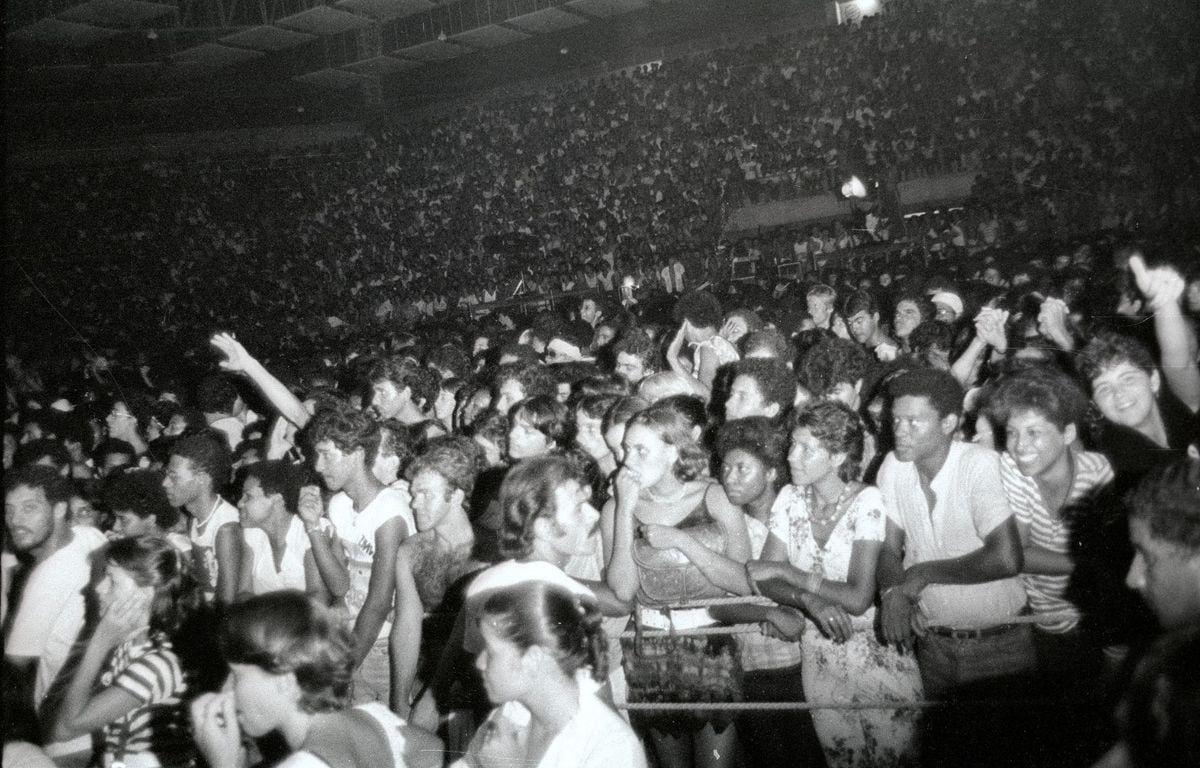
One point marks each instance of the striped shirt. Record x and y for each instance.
(1051, 531)
(150, 671)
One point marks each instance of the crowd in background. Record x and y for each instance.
(272, 399)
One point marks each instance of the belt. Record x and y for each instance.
(972, 634)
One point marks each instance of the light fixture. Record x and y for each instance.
(854, 188)
(442, 35)
(151, 35)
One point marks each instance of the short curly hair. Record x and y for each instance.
(831, 362)
(279, 476)
(942, 390)
(535, 379)
(839, 430)
(776, 382)
(1108, 349)
(1044, 389)
(761, 437)
(402, 371)
(674, 427)
(454, 464)
(348, 429)
(209, 453)
(285, 631)
(140, 491)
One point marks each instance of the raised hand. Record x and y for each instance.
(236, 356)
(990, 326)
(310, 506)
(1162, 286)
(216, 732)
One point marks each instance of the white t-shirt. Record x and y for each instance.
(356, 532)
(263, 575)
(50, 612)
(204, 544)
(595, 737)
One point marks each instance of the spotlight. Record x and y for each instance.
(854, 188)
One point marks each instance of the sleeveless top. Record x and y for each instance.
(667, 576)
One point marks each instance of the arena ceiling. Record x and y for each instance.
(96, 65)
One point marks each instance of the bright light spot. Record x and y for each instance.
(868, 7)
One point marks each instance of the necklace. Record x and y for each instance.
(831, 513)
(211, 512)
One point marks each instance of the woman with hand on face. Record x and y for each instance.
(699, 316)
(683, 517)
(544, 657)
(131, 680)
(826, 530)
(291, 664)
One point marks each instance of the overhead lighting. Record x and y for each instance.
(854, 188)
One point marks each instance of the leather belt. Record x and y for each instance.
(972, 634)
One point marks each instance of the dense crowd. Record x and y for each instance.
(274, 495)
(1084, 117)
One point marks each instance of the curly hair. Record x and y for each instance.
(348, 429)
(1168, 499)
(402, 371)
(699, 308)
(457, 467)
(942, 390)
(930, 334)
(56, 488)
(537, 613)
(839, 430)
(208, 452)
(1044, 389)
(674, 426)
(638, 343)
(527, 494)
(285, 631)
(278, 476)
(1108, 349)
(140, 491)
(832, 362)
(774, 379)
(759, 436)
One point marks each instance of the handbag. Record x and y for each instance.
(667, 577)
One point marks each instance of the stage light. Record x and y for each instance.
(868, 7)
(854, 188)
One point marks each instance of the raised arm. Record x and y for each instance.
(1163, 289)
(237, 359)
(85, 709)
(328, 558)
(621, 573)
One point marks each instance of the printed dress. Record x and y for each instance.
(861, 670)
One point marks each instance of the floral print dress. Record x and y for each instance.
(861, 670)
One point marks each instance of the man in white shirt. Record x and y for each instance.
(370, 520)
(948, 572)
(50, 611)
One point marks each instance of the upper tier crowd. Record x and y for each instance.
(1083, 117)
(279, 498)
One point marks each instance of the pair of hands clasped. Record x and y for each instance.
(771, 578)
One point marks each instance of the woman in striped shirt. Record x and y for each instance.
(1050, 481)
(130, 681)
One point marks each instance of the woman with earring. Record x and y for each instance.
(544, 657)
(290, 662)
(826, 529)
(131, 680)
